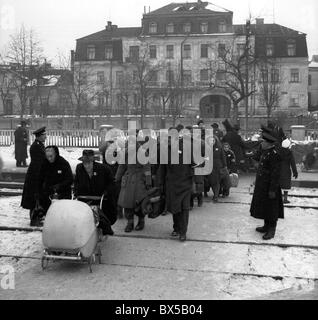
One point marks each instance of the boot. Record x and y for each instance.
(191, 203)
(263, 229)
(130, 225)
(141, 224)
(182, 237)
(270, 234)
(285, 197)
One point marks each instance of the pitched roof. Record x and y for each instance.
(114, 33)
(188, 7)
(268, 29)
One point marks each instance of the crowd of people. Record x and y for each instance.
(131, 188)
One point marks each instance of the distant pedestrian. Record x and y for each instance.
(216, 131)
(237, 144)
(20, 144)
(231, 166)
(30, 196)
(267, 202)
(288, 167)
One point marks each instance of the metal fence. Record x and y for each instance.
(60, 138)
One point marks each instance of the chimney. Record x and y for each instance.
(259, 20)
(109, 26)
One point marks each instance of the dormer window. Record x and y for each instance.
(222, 26)
(109, 52)
(91, 52)
(291, 48)
(204, 27)
(153, 27)
(170, 28)
(269, 50)
(187, 27)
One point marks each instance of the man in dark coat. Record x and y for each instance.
(20, 145)
(216, 131)
(267, 202)
(95, 179)
(56, 178)
(30, 196)
(177, 180)
(236, 143)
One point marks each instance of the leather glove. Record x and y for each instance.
(271, 195)
(295, 175)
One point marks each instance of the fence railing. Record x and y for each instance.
(60, 138)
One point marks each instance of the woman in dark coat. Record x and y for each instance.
(20, 145)
(30, 193)
(135, 180)
(56, 178)
(219, 162)
(267, 202)
(288, 166)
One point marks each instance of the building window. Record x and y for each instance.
(309, 79)
(153, 52)
(170, 76)
(100, 77)
(204, 51)
(101, 100)
(204, 27)
(220, 75)
(294, 75)
(291, 48)
(169, 51)
(222, 26)
(187, 27)
(294, 100)
(221, 50)
(170, 28)
(108, 52)
(269, 50)
(153, 27)
(187, 76)
(309, 99)
(240, 49)
(204, 75)
(134, 53)
(91, 52)
(153, 77)
(264, 75)
(119, 78)
(187, 51)
(135, 75)
(188, 99)
(136, 100)
(275, 75)
(120, 101)
(82, 78)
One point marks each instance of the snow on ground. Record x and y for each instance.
(70, 154)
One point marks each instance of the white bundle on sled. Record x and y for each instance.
(69, 226)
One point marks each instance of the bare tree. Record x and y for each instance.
(228, 71)
(24, 51)
(269, 84)
(144, 78)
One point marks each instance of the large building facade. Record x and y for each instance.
(174, 65)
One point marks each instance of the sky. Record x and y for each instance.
(58, 23)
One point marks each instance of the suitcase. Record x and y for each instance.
(234, 178)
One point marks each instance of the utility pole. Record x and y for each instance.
(247, 50)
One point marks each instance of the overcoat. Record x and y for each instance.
(267, 179)
(31, 183)
(101, 183)
(20, 144)
(135, 181)
(56, 176)
(288, 166)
